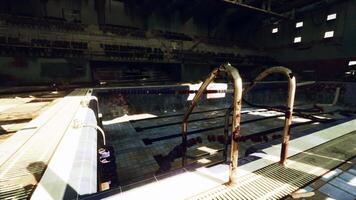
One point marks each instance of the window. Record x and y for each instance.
(299, 25)
(275, 30)
(329, 34)
(352, 63)
(331, 17)
(297, 39)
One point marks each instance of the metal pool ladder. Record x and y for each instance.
(237, 83)
(236, 108)
(290, 103)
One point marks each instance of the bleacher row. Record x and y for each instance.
(45, 23)
(123, 30)
(172, 35)
(43, 43)
(206, 55)
(132, 52)
(139, 53)
(60, 24)
(41, 47)
(134, 77)
(59, 48)
(220, 57)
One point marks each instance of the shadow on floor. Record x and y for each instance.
(37, 170)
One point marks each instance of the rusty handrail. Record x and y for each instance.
(237, 82)
(290, 103)
(226, 132)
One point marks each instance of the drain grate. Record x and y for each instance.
(275, 181)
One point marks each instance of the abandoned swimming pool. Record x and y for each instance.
(143, 125)
(143, 133)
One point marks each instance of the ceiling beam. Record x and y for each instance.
(262, 11)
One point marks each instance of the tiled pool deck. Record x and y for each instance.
(339, 183)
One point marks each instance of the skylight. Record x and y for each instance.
(299, 24)
(297, 39)
(350, 73)
(331, 17)
(329, 34)
(275, 30)
(352, 63)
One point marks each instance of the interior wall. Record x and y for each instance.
(313, 44)
(193, 72)
(314, 57)
(88, 12)
(20, 71)
(314, 52)
(118, 13)
(185, 20)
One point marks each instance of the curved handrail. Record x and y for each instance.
(235, 76)
(290, 103)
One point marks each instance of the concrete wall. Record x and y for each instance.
(195, 72)
(148, 15)
(313, 43)
(314, 52)
(119, 13)
(348, 98)
(20, 71)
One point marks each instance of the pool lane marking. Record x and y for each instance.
(139, 129)
(197, 112)
(176, 115)
(149, 141)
